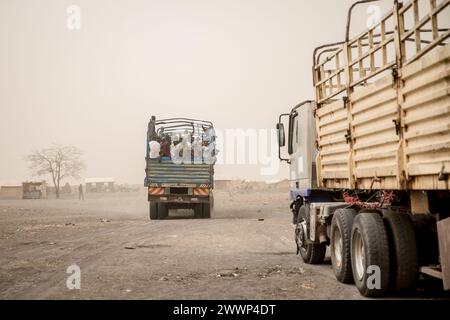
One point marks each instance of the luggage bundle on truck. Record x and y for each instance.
(180, 171)
(370, 157)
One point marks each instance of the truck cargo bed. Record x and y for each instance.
(414, 155)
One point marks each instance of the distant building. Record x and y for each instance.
(34, 190)
(9, 191)
(99, 184)
(24, 190)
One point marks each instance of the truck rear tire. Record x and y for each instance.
(153, 210)
(206, 210)
(163, 211)
(211, 200)
(403, 251)
(370, 254)
(341, 232)
(198, 211)
(202, 211)
(312, 253)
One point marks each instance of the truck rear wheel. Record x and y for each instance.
(403, 251)
(370, 254)
(163, 211)
(202, 210)
(198, 211)
(153, 210)
(211, 200)
(206, 210)
(341, 231)
(312, 253)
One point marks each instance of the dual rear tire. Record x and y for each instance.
(158, 210)
(403, 251)
(203, 210)
(341, 230)
(378, 253)
(370, 254)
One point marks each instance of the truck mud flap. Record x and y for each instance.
(443, 227)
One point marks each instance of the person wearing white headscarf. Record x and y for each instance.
(175, 148)
(155, 148)
(185, 146)
(198, 149)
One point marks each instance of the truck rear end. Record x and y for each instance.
(175, 183)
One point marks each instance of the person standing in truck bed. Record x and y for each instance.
(165, 149)
(155, 149)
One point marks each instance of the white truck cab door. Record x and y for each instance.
(302, 136)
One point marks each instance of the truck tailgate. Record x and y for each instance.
(167, 173)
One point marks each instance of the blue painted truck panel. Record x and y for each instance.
(166, 173)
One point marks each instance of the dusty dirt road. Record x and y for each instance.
(246, 251)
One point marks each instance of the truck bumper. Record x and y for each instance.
(187, 199)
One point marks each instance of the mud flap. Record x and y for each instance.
(443, 228)
(295, 208)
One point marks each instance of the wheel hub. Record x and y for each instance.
(301, 234)
(337, 245)
(359, 255)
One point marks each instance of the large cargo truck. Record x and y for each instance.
(177, 181)
(370, 156)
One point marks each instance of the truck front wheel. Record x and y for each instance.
(312, 253)
(341, 231)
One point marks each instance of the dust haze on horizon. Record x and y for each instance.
(236, 63)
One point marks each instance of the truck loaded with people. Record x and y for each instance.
(179, 170)
(370, 157)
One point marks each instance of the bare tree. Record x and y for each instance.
(57, 161)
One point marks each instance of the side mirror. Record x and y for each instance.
(281, 135)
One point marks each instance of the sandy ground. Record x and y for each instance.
(246, 251)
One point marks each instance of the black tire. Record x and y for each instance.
(206, 211)
(370, 248)
(198, 211)
(153, 211)
(341, 233)
(211, 200)
(311, 253)
(163, 211)
(403, 251)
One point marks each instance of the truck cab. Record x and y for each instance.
(300, 148)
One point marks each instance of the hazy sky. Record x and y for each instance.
(238, 63)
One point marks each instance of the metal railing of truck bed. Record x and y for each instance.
(177, 126)
(403, 35)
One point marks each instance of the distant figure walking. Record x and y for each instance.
(80, 192)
